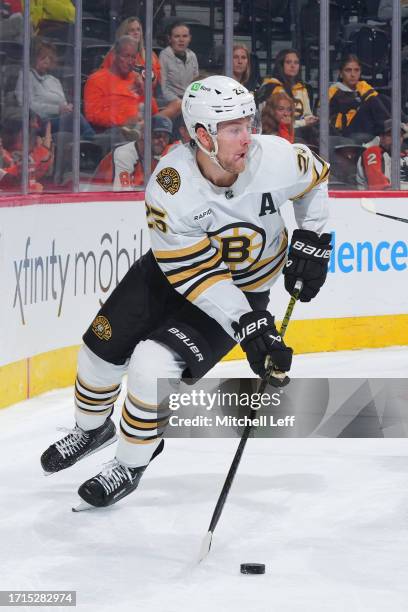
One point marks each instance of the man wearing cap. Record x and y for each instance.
(122, 168)
(162, 128)
(374, 165)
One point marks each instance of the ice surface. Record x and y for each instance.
(328, 517)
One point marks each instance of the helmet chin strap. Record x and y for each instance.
(213, 154)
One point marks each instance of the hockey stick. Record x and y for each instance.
(369, 206)
(206, 544)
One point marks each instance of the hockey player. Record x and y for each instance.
(218, 243)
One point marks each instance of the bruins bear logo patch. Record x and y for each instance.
(169, 180)
(102, 328)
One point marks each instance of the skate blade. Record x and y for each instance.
(83, 505)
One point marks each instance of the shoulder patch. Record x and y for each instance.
(169, 180)
(102, 328)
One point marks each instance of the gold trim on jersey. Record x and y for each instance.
(260, 264)
(320, 159)
(195, 269)
(205, 284)
(176, 253)
(264, 279)
(325, 172)
(316, 180)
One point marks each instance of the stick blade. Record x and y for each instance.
(205, 546)
(368, 205)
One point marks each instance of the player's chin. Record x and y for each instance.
(241, 164)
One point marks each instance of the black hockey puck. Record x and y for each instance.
(252, 568)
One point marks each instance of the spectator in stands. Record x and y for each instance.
(355, 106)
(285, 77)
(179, 65)
(11, 20)
(49, 15)
(133, 27)
(385, 10)
(241, 67)
(122, 168)
(278, 116)
(41, 154)
(46, 16)
(113, 96)
(374, 165)
(46, 95)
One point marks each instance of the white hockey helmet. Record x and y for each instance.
(215, 99)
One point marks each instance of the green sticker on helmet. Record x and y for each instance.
(195, 86)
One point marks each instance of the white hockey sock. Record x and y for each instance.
(140, 432)
(97, 386)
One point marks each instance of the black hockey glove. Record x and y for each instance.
(258, 336)
(308, 260)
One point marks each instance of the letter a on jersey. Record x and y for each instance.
(267, 205)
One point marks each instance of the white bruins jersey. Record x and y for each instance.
(213, 243)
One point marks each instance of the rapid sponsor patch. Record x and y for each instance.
(201, 215)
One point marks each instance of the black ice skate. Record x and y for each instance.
(77, 445)
(112, 484)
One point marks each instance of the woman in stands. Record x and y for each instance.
(46, 94)
(241, 67)
(278, 116)
(179, 64)
(355, 106)
(133, 27)
(285, 77)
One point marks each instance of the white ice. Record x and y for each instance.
(328, 517)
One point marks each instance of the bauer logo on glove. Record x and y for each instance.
(308, 261)
(250, 329)
(308, 249)
(260, 339)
